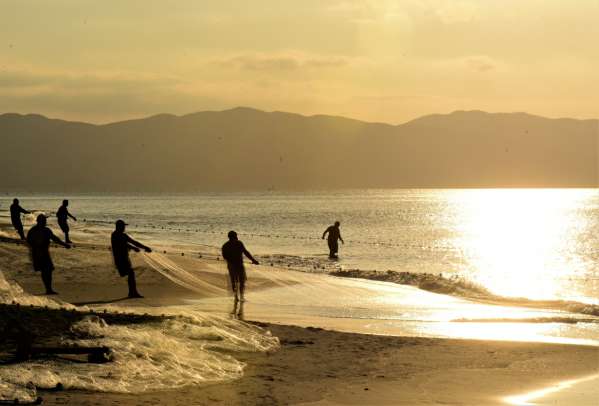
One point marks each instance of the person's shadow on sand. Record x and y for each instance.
(99, 302)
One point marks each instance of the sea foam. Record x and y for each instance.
(184, 348)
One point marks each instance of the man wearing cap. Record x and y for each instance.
(233, 252)
(15, 217)
(39, 237)
(121, 244)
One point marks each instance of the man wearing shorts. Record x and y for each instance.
(121, 244)
(63, 215)
(333, 238)
(39, 237)
(233, 252)
(15, 216)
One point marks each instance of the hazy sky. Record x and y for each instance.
(378, 60)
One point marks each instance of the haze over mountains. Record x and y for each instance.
(248, 149)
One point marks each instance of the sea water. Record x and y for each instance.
(532, 243)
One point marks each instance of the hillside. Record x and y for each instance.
(247, 149)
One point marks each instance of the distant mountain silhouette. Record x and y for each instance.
(248, 149)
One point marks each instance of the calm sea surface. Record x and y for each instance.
(525, 243)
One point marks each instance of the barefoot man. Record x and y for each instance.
(233, 252)
(39, 237)
(333, 238)
(15, 216)
(63, 216)
(121, 244)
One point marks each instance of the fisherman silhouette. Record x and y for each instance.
(333, 238)
(233, 251)
(63, 215)
(39, 237)
(15, 217)
(121, 244)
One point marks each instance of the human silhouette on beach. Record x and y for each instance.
(63, 216)
(121, 244)
(15, 216)
(233, 252)
(39, 237)
(333, 238)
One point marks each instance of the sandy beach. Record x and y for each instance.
(307, 203)
(313, 366)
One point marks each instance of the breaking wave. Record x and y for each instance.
(563, 320)
(457, 286)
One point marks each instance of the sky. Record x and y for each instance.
(375, 60)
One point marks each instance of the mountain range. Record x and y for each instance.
(248, 149)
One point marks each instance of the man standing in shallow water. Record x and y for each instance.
(233, 251)
(39, 237)
(334, 236)
(121, 244)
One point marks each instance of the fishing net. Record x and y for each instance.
(180, 276)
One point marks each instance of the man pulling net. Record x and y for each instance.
(15, 216)
(121, 244)
(233, 252)
(39, 237)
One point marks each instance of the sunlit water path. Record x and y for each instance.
(540, 244)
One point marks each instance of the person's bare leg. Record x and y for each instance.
(133, 293)
(233, 278)
(47, 279)
(242, 288)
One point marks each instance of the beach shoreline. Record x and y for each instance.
(313, 366)
(320, 367)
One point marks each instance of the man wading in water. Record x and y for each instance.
(233, 251)
(39, 238)
(334, 236)
(121, 244)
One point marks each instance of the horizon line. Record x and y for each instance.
(294, 114)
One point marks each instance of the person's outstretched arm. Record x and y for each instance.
(325, 232)
(58, 240)
(341, 239)
(71, 216)
(22, 210)
(135, 245)
(251, 258)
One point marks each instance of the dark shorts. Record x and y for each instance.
(124, 268)
(64, 226)
(42, 262)
(333, 246)
(17, 225)
(237, 273)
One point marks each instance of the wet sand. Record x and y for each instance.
(328, 368)
(314, 366)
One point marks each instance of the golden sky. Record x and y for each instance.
(377, 60)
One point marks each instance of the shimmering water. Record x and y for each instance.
(525, 243)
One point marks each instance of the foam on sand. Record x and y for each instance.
(187, 348)
(461, 287)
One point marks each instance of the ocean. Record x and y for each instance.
(531, 243)
(528, 258)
